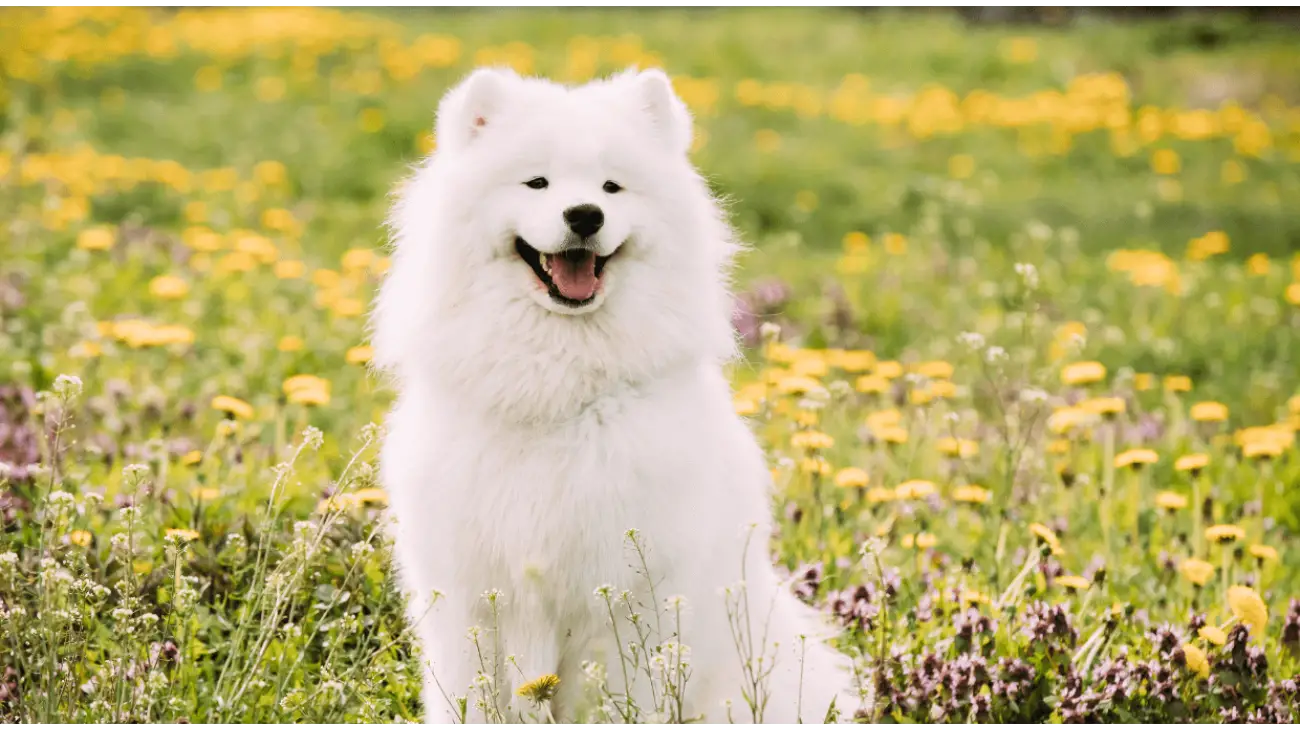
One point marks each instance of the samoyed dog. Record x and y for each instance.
(556, 320)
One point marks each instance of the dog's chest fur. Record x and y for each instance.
(541, 512)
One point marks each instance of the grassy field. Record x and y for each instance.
(1030, 393)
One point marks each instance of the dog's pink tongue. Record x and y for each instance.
(574, 274)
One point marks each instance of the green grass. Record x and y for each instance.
(279, 605)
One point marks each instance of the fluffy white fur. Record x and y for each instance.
(528, 437)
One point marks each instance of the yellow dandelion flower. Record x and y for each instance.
(812, 440)
(80, 538)
(754, 391)
(1143, 381)
(290, 343)
(539, 690)
(192, 457)
(879, 495)
(891, 434)
(884, 419)
(1178, 383)
(1224, 533)
(1196, 661)
(1073, 582)
(1082, 373)
(935, 370)
(259, 247)
(1165, 162)
(337, 503)
(1196, 571)
(1282, 435)
(920, 396)
(304, 382)
(1020, 49)
(307, 390)
(270, 172)
(182, 534)
(1262, 450)
(1171, 501)
(310, 397)
(1213, 634)
(1058, 446)
(1249, 608)
(278, 219)
(289, 269)
(925, 541)
(889, 369)
(851, 477)
(236, 261)
(855, 361)
(744, 406)
(232, 406)
(357, 258)
(779, 352)
(1068, 418)
(360, 355)
(806, 419)
(969, 597)
(168, 287)
(1258, 265)
(855, 241)
(1263, 552)
(914, 489)
(812, 366)
(942, 389)
(971, 494)
(326, 278)
(348, 307)
(798, 385)
(202, 239)
(961, 448)
(1192, 462)
(171, 334)
(100, 238)
(1046, 536)
(1136, 458)
(1293, 293)
(371, 495)
(872, 384)
(207, 494)
(1210, 412)
(815, 465)
(895, 244)
(1107, 406)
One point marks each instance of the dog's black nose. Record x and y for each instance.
(584, 219)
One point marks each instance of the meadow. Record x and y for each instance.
(1020, 316)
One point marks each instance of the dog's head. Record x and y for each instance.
(559, 238)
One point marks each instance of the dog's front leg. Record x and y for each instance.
(451, 666)
(531, 652)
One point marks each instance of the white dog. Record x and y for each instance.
(557, 318)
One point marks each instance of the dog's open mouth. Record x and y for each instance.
(571, 277)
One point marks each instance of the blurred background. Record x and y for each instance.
(955, 141)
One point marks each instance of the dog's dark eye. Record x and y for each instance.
(612, 187)
(537, 183)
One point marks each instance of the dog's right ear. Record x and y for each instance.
(469, 108)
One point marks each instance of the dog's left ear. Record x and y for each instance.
(469, 108)
(670, 117)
